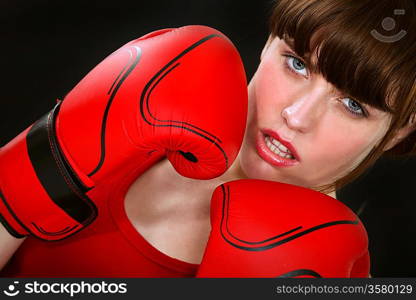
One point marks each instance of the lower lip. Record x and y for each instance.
(270, 157)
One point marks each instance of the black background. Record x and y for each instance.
(48, 46)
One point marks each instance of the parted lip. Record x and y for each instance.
(287, 144)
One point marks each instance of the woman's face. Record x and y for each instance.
(300, 129)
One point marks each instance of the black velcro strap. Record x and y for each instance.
(55, 173)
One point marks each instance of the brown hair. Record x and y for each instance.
(350, 56)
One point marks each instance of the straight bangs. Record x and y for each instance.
(345, 36)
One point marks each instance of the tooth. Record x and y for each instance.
(283, 148)
(275, 146)
(280, 146)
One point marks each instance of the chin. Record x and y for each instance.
(256, 168)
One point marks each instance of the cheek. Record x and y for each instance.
(271, 90)
(342, 147)
(341, 150)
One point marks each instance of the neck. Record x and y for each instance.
(235, 172)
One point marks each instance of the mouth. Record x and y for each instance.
(277, 152)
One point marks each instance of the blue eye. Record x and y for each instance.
(296, 65)
(354, 107)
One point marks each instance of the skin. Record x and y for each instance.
(284, 97)
(304, 109)
(328, 129)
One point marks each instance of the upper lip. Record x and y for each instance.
(287, 144)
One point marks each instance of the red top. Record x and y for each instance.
(109, 247)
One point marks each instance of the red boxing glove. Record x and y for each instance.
(179, 93)
(270, 229)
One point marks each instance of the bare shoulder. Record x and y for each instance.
(8, 245)
(333, 194)
(170, 211)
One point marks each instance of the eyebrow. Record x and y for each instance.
(290, 42)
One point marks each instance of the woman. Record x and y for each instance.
(327, 100)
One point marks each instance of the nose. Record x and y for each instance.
(303, 113)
